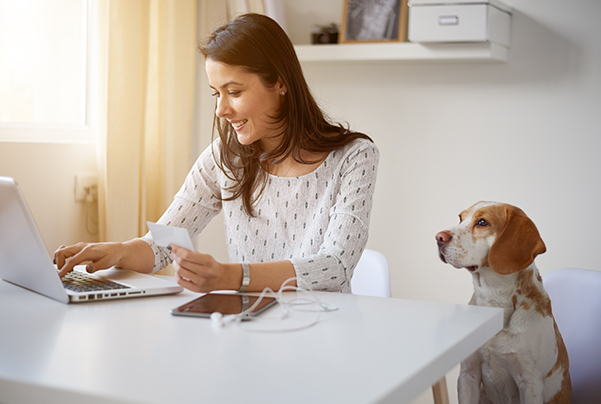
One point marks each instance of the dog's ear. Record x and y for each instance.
(517, 245)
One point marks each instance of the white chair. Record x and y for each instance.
(371, 276)
(576, 301)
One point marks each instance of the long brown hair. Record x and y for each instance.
(259, 45)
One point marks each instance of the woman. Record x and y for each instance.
(296, 191)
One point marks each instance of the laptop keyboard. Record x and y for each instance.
(80, 282)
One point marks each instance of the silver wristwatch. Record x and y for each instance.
(245, 278)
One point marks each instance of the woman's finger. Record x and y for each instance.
(91, 253)
(60, 255)
(188, 284)
(190, 256)
(196, 276)
(63, 254)
(103, 263)
(71, 262)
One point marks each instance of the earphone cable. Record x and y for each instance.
(287, 307)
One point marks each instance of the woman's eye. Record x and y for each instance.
(482, 223)
(215, 95)
(234, 93)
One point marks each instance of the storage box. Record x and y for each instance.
(464, 21)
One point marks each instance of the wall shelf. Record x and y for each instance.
(405, 51)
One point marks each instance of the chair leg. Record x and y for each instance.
(440, 392)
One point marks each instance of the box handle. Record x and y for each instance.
(448, 20)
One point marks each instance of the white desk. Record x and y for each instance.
(371, 350)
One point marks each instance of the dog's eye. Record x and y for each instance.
(482, 223)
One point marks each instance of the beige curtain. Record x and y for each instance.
(144, 149)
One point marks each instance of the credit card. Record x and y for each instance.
(165, 235)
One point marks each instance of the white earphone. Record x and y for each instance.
(219, 320)
(308, 304)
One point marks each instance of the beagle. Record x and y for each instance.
(527, 361)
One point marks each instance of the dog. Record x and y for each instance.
(527, 361)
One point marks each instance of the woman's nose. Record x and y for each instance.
(223, 108)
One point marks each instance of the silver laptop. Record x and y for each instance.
(25, 261)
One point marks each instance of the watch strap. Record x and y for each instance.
(245, 278)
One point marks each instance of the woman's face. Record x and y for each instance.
(246, 103)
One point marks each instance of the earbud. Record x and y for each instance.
(289, 310)
(218, 320)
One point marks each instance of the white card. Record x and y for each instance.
(165, 235)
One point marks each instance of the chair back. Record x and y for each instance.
(576, 301)
(371, 276)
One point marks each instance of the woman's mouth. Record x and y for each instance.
(238, 124)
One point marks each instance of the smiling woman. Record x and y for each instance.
(299, 132)
(295, 189)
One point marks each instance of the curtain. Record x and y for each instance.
(148, 97)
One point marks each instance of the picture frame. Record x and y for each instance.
(374, 21)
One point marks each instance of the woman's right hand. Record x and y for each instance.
(97, 256)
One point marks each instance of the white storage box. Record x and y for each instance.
(459, 21)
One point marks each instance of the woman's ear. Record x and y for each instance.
(281, 87)
(517, 245)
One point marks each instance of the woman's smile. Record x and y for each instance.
(237, 125)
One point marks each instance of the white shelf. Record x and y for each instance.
(405, 51)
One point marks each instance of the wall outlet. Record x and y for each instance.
(85, 183)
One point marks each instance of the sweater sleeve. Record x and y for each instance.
(193, 207)
(346, 235)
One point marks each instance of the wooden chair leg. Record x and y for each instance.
(440, 392)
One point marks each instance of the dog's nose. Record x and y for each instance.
(443, 237)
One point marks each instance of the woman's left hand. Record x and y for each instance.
(200, 273)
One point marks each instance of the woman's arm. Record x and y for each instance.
(202, 273)
(345, 237)
(135, 255)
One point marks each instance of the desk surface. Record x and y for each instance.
(369, 350)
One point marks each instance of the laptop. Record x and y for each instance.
(25, 261)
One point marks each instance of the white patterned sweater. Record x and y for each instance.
(318, 221)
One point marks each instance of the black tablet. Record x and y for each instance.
(226, 304)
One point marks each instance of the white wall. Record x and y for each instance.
(450, 134)
(46, 174)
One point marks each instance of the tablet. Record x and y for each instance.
(226, 304)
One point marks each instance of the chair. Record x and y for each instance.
(576, 301)
(371, 277)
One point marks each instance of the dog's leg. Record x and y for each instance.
(470, 378)
(531, 390)
(484, 399)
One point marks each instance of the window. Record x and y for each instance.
(46, 91)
